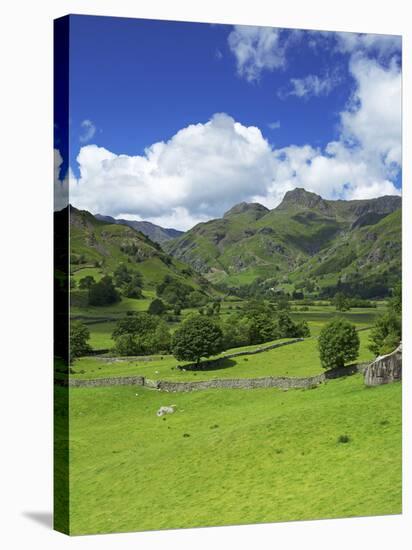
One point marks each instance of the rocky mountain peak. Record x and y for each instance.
(302, 198)
(254, 208)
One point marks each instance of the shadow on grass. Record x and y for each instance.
(338, 372)
(216, 364)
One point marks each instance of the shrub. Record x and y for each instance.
(343, 439)
(338, 343)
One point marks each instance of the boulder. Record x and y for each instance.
(385, 369)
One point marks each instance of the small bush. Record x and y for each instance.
(343, 439)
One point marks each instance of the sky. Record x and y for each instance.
(176, 122)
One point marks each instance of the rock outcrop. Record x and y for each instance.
(385, 369)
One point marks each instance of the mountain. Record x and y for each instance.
(305, 238)
(154, 232)
(99, 246)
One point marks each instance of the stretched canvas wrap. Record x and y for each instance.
(227, 274)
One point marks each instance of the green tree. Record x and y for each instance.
(302, 329)
(122, 275)
(197, 337)
(338, 343)
(141, 333)
(133, 288)
(86, 282)
(235, 330)
(341, 302)
(79, 336)
(286, 327)
(196, 299)
(156, 307)
(103, 293)
(395, 303)
(386, 334)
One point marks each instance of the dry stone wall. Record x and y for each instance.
(219, 383)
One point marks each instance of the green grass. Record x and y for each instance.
(101, 335)
(295, 360)
(252, 456)
(113, 311)
(79, 273)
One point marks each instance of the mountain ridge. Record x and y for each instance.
(251, 242)
(155, 232)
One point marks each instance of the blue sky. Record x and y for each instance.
(238, 113)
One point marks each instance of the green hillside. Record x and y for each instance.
(97, 248)
(304, 235)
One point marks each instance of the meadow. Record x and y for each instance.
(232, 456)
(101, 320)
(295, 360)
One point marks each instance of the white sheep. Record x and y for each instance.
(166, 410)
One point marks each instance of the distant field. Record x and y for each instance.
(94, 272)
(114, 311)
(232, 456)
(300, 359)
(317, 316)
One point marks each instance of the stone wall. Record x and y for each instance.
(228, 383)
(96, 382)
(385, 369)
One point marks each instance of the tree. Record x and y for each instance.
(341, 302)
(302, 329)
(197, 337)
(387, 331)
(286, 327)
(79, 336)
(86, 282)
(122, 275)
(338, 343)
(156, 307)
(141, 333)
(235, 331)
(103, 293)
(133, 289)
(395, 303)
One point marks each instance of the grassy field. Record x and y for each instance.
(296, 360)
(316, 316)
(232, 456)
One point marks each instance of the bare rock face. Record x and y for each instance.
(385, 369)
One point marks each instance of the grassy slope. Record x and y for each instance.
(103, 242)
(252, 456)
(296, 360)
(314, 244)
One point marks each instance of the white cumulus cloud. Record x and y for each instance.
(257, 49)
(88, 131)
(205, 168)
(310, 85)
